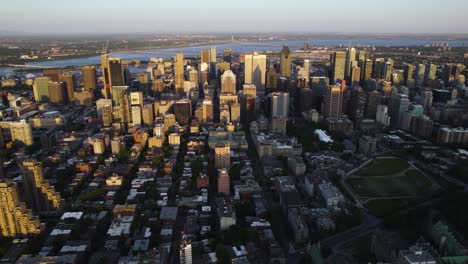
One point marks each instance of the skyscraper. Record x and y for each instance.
(15, 219)
(255, 71)
(408, 75)
(350, 59)
(357, 105)
(279, 103)
(39, 194)
(52, 74)
(57, 92)
(69, 80)
(41, 89)
(179, 71)
(222, 156)
(182, 111)
(223, 182)
(205, 56)
(430, 73)
(136, 115)
(112, 73)
(396, 109)
(213, 54)
(420, 72)
(271, 80)
(89, 77)
(235, 112)
(228, 82)
(185, 250)
(332, 103)
(22, 132)
(148, 114)
(339, 65)
(285, 62)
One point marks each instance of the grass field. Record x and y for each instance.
(387, 185)
(383, 167)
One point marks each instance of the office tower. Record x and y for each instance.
(332, 102)
(185, 250)
(41, 89)
(255, 71)
(228, 82)
(396, 109)
(116, 93)
(136, 115)
(213, 54)
(105, 71)
(115, 72)
(408, 74)
(279, 104)
(426, 99)
(249, 109)
(127, 75)
(228, 98)
(388, 70)
(22, 132)
(57, 92)
(15, 219)
(422, 126)
(117, 145)
(367, 73)
(285, 62)
(223, 182)
(420, 72)
(357, 105)
(179, 72)
(338, 66)
(144, 80)
(148, 114)
(355, 76)
(136, 98)
(193, 77)
(89, 77)
(124, 105)
(227, 55)
(235, 112)
(52, 74)
(222, 156)
(224, 114)
(183, 111)
(350, 59)
(39, 194)
(169, 122)
(430, 72)
(382, 116)
(107, 117)
(100, 104)
(362, 57)
(207, 111)
(378, 69)
(205, 56)
(249, 89)
(271, 80)
(374, 98)
(69, 80)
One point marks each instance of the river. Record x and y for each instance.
(240, 48)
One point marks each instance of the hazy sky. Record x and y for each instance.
(112, 16)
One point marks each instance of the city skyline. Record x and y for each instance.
(143, 16)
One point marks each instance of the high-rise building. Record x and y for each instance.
(193, 77)
(222, 156)
(285, 62)
(332, 102)
(223, 182)
(136, 98)
(249, 109)
(355, 76)
(397, 107)
(136, 115)
(338, 66)
(255, 71)
(22, 132)
(373, 100)
(112, 72)
(213, 54)
(207, 110)
(279, 104)
(228, 82)
(420, 72)
(169, 122)
(350, 59)
(89, 77)
(426, 99)
(52, 74)
(148, 114)
(182, 111)
(408, 74)
(104, 111)
(57, 92)
(430, 72)
(185, 250)
(367, 72)
(41, 89)
(69, 80)
(39, 193)
(357, 105)
(179, 72)
(227, 55)
(224, 114)
(205, 56)
(235, 112)
(382, 116)
(116, 93)
(15, 219)
(271, 80)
